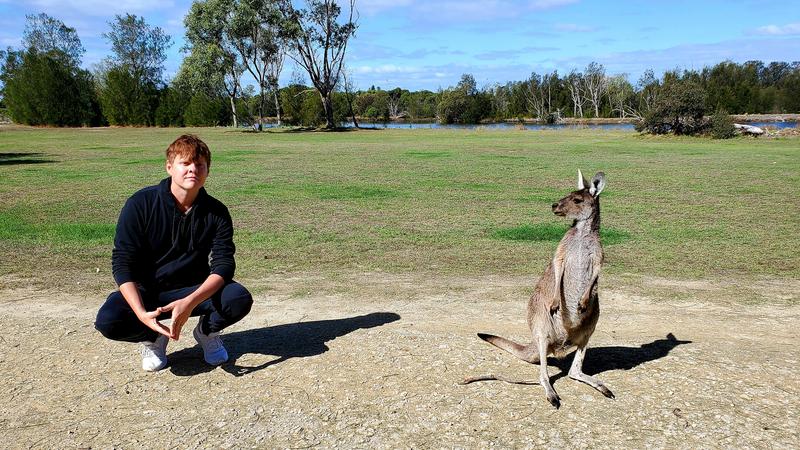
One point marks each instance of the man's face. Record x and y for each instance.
(187, 174)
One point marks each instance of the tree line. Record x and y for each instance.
(230, 40)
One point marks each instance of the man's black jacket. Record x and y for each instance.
(159, 247)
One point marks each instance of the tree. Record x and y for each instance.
(463, 103)
(575, 84)
(43, 83)
(319, 43)
(213, 59)
(48, 35)
(41, 89)
(595, 84)
(680, 108)
(620, 95)
(130, 79)
(139, 48)
(258, 36)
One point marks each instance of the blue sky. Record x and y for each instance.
(418, 44)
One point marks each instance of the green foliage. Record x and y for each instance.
(722, 125)
(171, 106)
(138, 47)
(49, 35)
(679, 109)
(464, 103)
(126, 99)
(44, 89)
(203, 111)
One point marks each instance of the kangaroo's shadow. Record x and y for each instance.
(603, 359)
(293, 340)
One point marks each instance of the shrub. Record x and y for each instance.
(679, 109)
(722, 125)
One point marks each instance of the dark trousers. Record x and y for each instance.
(117, 321)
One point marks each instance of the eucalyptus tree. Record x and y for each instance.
(319, 44)
(258, 36)
(575, 84)
(595, 84)
(620, 94)
(213, 58)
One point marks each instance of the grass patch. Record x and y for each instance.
(14, 228)
(546, 232)
(427, 155)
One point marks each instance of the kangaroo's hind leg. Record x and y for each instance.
(576, 373)
(544, 377)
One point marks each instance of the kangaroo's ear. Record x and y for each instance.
(598, 184)
(581, 181)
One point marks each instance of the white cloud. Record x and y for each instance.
(385, 69)
(778, 30)
(549, 4)
(100, 8)
(574, 28)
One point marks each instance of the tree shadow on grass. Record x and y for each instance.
(11, 158)
(603, 359)
(293, 340)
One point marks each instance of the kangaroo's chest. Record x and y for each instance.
(581, 259)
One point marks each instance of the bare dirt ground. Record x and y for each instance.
(379, 368)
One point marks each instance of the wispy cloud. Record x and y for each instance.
(574, 28)
(510, 54)
(777, 30)
(100, 8)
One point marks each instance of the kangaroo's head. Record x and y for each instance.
(580, 204)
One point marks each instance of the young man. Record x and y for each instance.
(173, 257)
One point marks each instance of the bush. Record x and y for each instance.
(722, 125)
(679, 109)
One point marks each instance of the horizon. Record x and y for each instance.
(418, 45)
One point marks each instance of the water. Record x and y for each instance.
(533, 126)
(528, 126)
(490, 126)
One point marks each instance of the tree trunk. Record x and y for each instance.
(327, 104)
(261, 110)
(277, 105)
(233, 112)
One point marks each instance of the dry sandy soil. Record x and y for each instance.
(380, 369)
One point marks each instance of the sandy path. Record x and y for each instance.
(379, 369)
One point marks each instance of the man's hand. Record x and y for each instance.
(181, 310)
(150, 318)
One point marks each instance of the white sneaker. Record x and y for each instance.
(213, 351)
(154, 354)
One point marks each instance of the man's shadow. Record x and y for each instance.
(603, 359)
(292, 340)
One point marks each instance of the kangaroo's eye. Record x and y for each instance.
(578, 200)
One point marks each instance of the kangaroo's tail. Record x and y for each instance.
(527, 353)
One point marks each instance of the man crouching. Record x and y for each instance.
(173, 257)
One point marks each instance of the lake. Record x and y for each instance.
(533, 126)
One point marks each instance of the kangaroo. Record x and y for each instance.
(563, 310)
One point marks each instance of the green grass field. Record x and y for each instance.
(427, 201)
